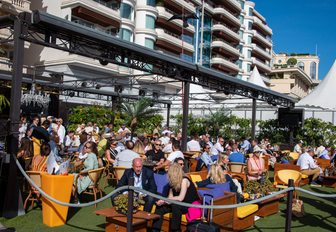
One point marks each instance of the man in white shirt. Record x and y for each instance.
(218, 147)
(60, 131)
(308, 166)
(205, 159)
(193, 145)
(123, 130)
(165, 139)
(125, 158)
(172, 156)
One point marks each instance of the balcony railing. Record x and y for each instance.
(92, 26)
(23, 4)
(112, 4)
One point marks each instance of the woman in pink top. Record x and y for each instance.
(255, 165)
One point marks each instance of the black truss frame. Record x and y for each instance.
(51, 31)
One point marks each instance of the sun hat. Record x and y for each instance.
(257, 149)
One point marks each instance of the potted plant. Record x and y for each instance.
(257, 189)
(120, 203)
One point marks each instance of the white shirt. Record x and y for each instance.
(168, 148)
(165, 140)
(126, 130)
(305, 161)
(61, 134)
(193, 145)
(174, 155)
(217, 148)
(205, 157)
(125, 158)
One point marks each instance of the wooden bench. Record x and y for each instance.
(323, 163)
(118, 222)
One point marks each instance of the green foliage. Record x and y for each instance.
(148, 125)
(292, 61)
(271, 130)
(196, 125)
(138, 111)
(84, 114)
(316, 132)
(262, 189)
(3, 102)
(121, 203)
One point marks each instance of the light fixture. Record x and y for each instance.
(84, 84)
(142, 92)
(103, 61)
(118, 88)
(72, 94)
(155, 95)
(98, 86)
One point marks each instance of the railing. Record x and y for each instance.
(131, 188)
(111, 5)
(215, 22)
(221, 40)
(92, 26)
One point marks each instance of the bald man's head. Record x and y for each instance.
(137, 165)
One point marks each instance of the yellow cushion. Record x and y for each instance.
(141, 207)
(195, 178)
(169, 215)
(244, 211)
(303, 176)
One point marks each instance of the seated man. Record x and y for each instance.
(172, 156)
(308, 166)
(124, 158)
(205, 158)
(143, 178)
(237, 157)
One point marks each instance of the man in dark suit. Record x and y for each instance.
(143, 178)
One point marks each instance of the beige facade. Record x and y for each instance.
(295, 80)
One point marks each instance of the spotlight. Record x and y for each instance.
(118, 88)
(155, 95)
(84, 84)
(98, 86)
(71, 94)
(142, 92)
(103, 61)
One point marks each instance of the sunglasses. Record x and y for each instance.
(157, 144)
(87, 147)
(182, 164)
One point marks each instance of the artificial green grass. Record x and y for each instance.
(320, 216)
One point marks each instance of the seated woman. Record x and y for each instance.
(39, 162)
(90, 163)
(216, 175)
(25, 152)
(111, 152)
(181, 189)
(255, 165)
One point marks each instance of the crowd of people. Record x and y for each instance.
(93, 147)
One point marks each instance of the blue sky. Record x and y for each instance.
(299, 25)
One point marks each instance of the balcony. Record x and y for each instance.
(172, 42)
(258, 36)
(225, 48)
(147, 8)
(219, 10)
(262, 52)
(224, 64)
(94, 11)
(19, 5)
(226, 31)
(186, 5)
(262, 66)
(262, 26)
(164, 14)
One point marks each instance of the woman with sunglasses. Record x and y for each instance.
(111, 152)
(90, 163)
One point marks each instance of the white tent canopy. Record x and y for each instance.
(322, 96)
(256, 79)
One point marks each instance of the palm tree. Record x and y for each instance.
(136, 111)
(3, 102)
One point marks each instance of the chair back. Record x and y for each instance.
(119, 171)
(294, 155)
(323, 163)
(95, 175)
(35, 176)
(237, 167)
(284, 175)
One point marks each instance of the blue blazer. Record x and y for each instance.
(148, 182)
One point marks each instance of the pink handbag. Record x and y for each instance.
(194, 213)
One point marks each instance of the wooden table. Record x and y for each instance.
(269, 206)
(329, 181)
(118, 222)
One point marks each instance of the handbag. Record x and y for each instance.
(203, 225)
(194, 213)
(297, 208)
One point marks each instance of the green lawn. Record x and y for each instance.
(320, 216)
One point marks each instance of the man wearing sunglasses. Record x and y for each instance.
(156, 154)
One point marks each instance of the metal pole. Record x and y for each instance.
(130, 206)
(202, 29)
(254, 113)
(185, 115)
(13, 201)
(168, 114)
(289, 206)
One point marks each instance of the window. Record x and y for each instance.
(250, 11)
(186, 57)
(239, 63)
(187, 38)
(126, 34)
(249, 26)
(313, 70)
(301, 65)
(149, 43)
(248, 68)
(126, 11)
(249, 53)
(151, 3)
(150, 22)
(249, 39)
